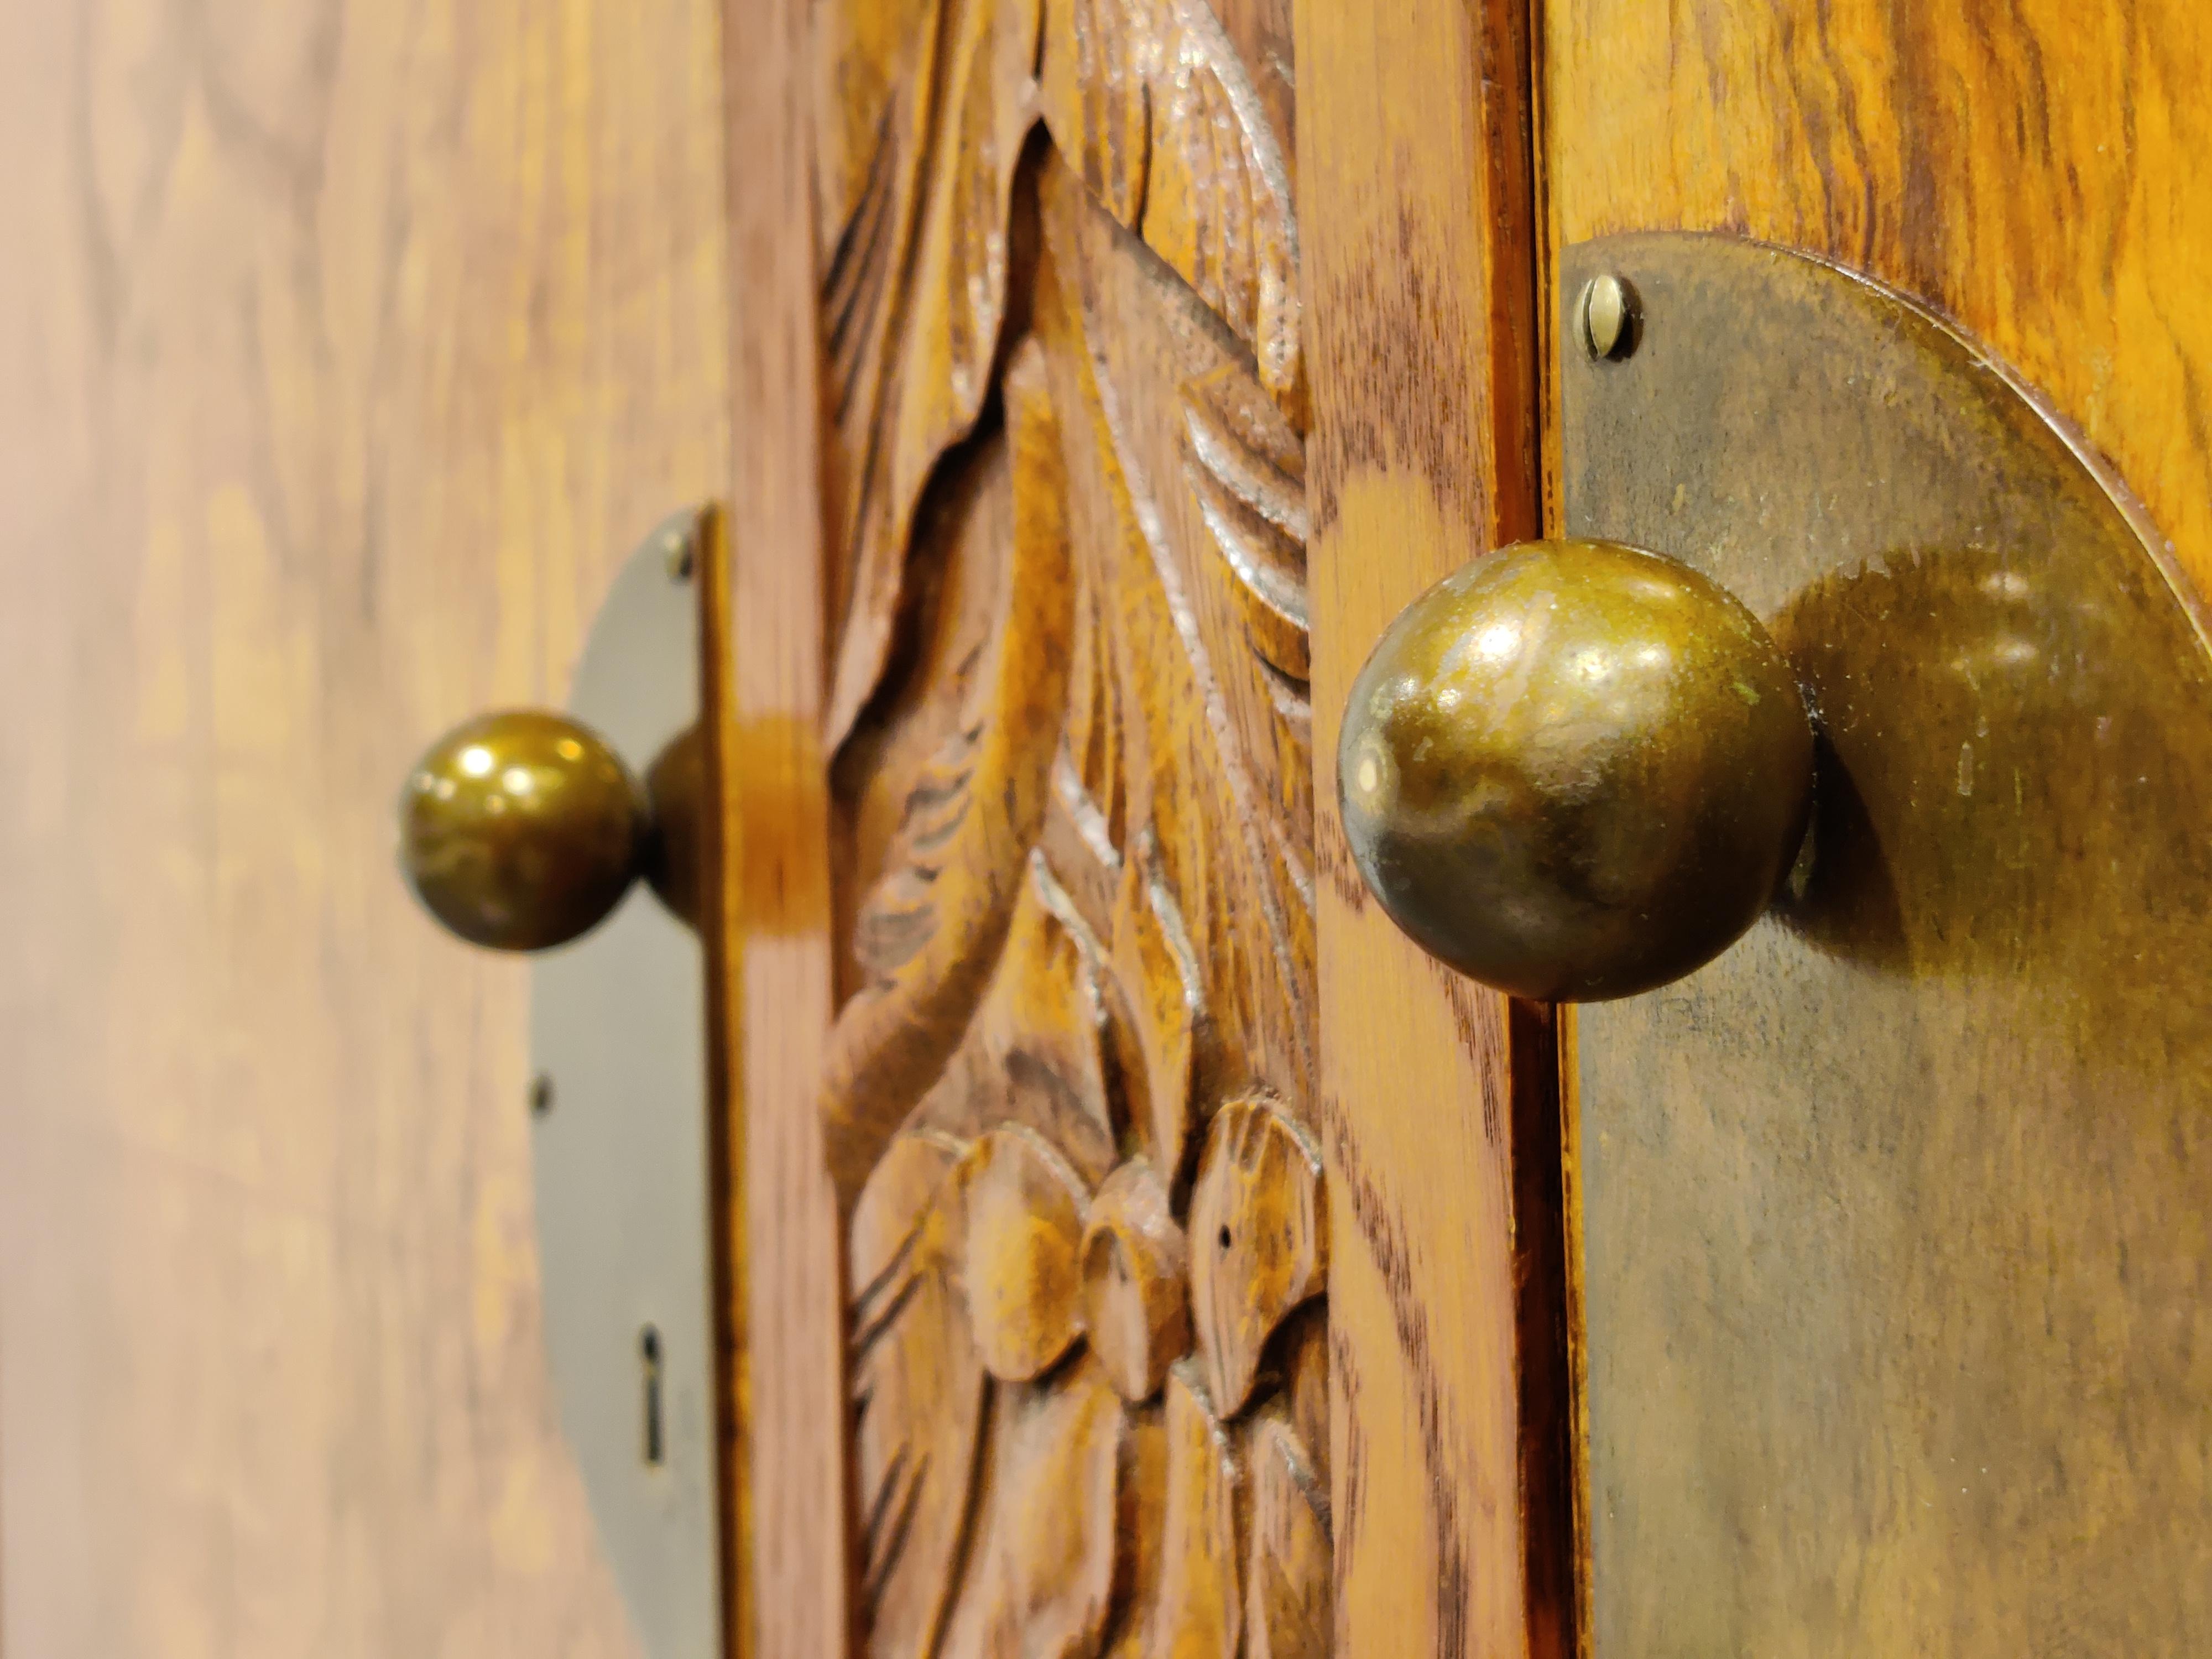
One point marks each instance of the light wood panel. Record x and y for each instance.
(345, 348)
(1419, 277)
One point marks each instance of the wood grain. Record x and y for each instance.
(792, 1544)
(2029, 167)
(1417, 204)
(345, 350)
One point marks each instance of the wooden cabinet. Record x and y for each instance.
(1142, 1247)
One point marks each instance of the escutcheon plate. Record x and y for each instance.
(619, 1148)
(1896, 1272)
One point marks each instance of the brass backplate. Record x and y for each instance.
(619, 1150)
(1896, 1266)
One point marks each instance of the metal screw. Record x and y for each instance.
(680, 559)
(541, 1095)
(1608, 315)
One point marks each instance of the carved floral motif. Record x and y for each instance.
(1068, 1102)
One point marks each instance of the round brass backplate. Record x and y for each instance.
(1896, 1216)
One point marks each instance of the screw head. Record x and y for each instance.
(1608, 318)
(681, 560)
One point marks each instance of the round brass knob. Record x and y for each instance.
(522, 830)
(1575, 770)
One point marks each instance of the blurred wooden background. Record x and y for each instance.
(346, 346)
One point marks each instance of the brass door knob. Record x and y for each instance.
(524, 830)
(1575, 770)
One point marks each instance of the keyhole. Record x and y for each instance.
(649, 1354)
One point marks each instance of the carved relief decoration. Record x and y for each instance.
(1069, 1099)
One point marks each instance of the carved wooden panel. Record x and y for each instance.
(1069, 1104)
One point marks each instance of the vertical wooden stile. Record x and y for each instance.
(789, 1380)
(1421, 265)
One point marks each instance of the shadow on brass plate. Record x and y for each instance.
(1938, 664)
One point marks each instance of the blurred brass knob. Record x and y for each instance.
(522, 830)
(1575, 770)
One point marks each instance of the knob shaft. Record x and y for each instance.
(522, 830)
(1575, 770)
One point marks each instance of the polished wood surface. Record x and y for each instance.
(1069, 1098)
(2031, 171)
(1437, 1097)
(347, 349)
(787, 1513)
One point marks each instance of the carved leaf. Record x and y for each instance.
(1135, 1307)
(1101, 57)
(1200, 1612)
(1299, 1355)
(1288, 1592)
(1079, 849)
(1259, 1225)
(1216, 774)
(1041, 1580)
(950, 897)
(1034, 1052)
(1155, 110)
(919, 1385)
(1217, 209)
(1160, 978)
(1021, 1257)
(879, 66)
(1143, 1523)
(936, 97)
(901, 914)
(1248, 475)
